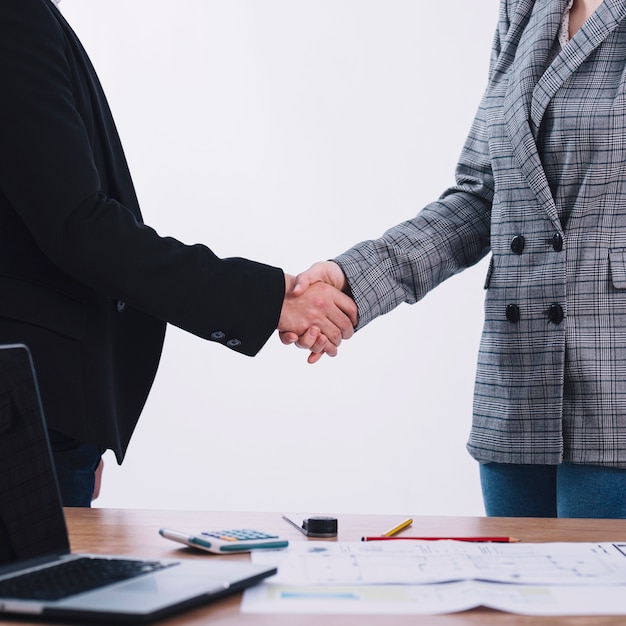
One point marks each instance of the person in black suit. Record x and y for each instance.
(85, 283)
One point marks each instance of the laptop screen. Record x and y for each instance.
(32, 523)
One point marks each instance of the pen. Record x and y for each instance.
(475, 539)
(396, 529)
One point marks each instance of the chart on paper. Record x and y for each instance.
(429, 562)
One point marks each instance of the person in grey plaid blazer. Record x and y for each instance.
(541, 185)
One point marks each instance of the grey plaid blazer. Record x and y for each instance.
(541, 184)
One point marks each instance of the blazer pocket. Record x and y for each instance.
(32, 303)
(617, 267)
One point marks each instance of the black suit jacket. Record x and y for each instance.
(83, 282)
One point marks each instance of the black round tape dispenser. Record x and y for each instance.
(320, 526)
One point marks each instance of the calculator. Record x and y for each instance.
(227, 541)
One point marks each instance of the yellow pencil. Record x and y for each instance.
(396, 529)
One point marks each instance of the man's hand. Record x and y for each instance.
(316, 314)
(324, 271)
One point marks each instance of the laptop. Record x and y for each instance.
(39, 576)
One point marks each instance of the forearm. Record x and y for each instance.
(415, 256)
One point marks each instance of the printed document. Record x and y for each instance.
(429, 577)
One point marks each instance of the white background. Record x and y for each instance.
(286, 131)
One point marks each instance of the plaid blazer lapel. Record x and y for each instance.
(595, 30)
(542, 19)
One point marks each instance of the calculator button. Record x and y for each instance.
(243, 534)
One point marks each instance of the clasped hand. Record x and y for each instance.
(316, 314)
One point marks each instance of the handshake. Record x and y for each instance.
(316, 313)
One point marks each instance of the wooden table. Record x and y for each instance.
(122, 531)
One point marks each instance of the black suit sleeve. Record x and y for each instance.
(62, 169)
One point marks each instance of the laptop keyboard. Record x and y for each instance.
(75, 576)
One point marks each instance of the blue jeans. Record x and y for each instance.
(566, 490)
(76, 465)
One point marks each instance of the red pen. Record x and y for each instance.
(475, 539)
